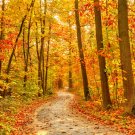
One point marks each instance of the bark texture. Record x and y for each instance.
(28, 53)
(2, 31)
(83, 67)
(41, 66)
(70, 59)
(102, 64)
(125, 55)
(47, 59)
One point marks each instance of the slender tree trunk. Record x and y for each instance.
(37, 41)
(107, 21)
(41, 72)
(39, 61)
(125, 55)
(70, 63)
(0, 63)
(28, 52)
(2, 31)
(24, 52)
(47, 57)
(1, 38)
(44, 22)
(83, 66)
(41, 51)
(70, 68)
(60, 83)
(102, 64)
(95, 76)
(38, 56)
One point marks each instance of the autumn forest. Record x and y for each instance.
(85, 45)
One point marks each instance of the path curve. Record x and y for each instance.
(57, 118)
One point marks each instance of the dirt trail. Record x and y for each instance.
(57, 118)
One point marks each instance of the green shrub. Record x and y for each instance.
(49, 91)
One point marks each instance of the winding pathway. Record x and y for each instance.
(58, 118)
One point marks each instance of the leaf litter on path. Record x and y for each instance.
(57, 118)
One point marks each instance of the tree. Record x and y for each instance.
(82, 62)
(47, 59)
(125, 56)
(2, 30)
(39, 61)
(70, 63)
(27, 53)
(102, 64)
(41, 72)
(42, 47)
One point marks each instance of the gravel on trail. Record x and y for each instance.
(58, 118)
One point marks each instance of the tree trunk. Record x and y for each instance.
(47, 57)
(70, 68)
(60, 83)
(125, 55)
(102, 64)
(28, 52)
(2, 31)
(41, 71)
(83, 66)
(24, 52)
(39, 58)
(70, 63)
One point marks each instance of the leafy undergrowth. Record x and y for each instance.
(113, 118)
(15, 112)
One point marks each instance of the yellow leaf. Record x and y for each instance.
(1, 89)
(124, 78)
(124, 71)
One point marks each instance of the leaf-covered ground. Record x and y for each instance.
(113, 118)
(65, 113)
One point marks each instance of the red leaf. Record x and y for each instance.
(109, 45)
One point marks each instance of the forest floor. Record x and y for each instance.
(58, 117)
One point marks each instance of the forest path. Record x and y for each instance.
(58, 118)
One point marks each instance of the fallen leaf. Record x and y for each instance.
(63, 132)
